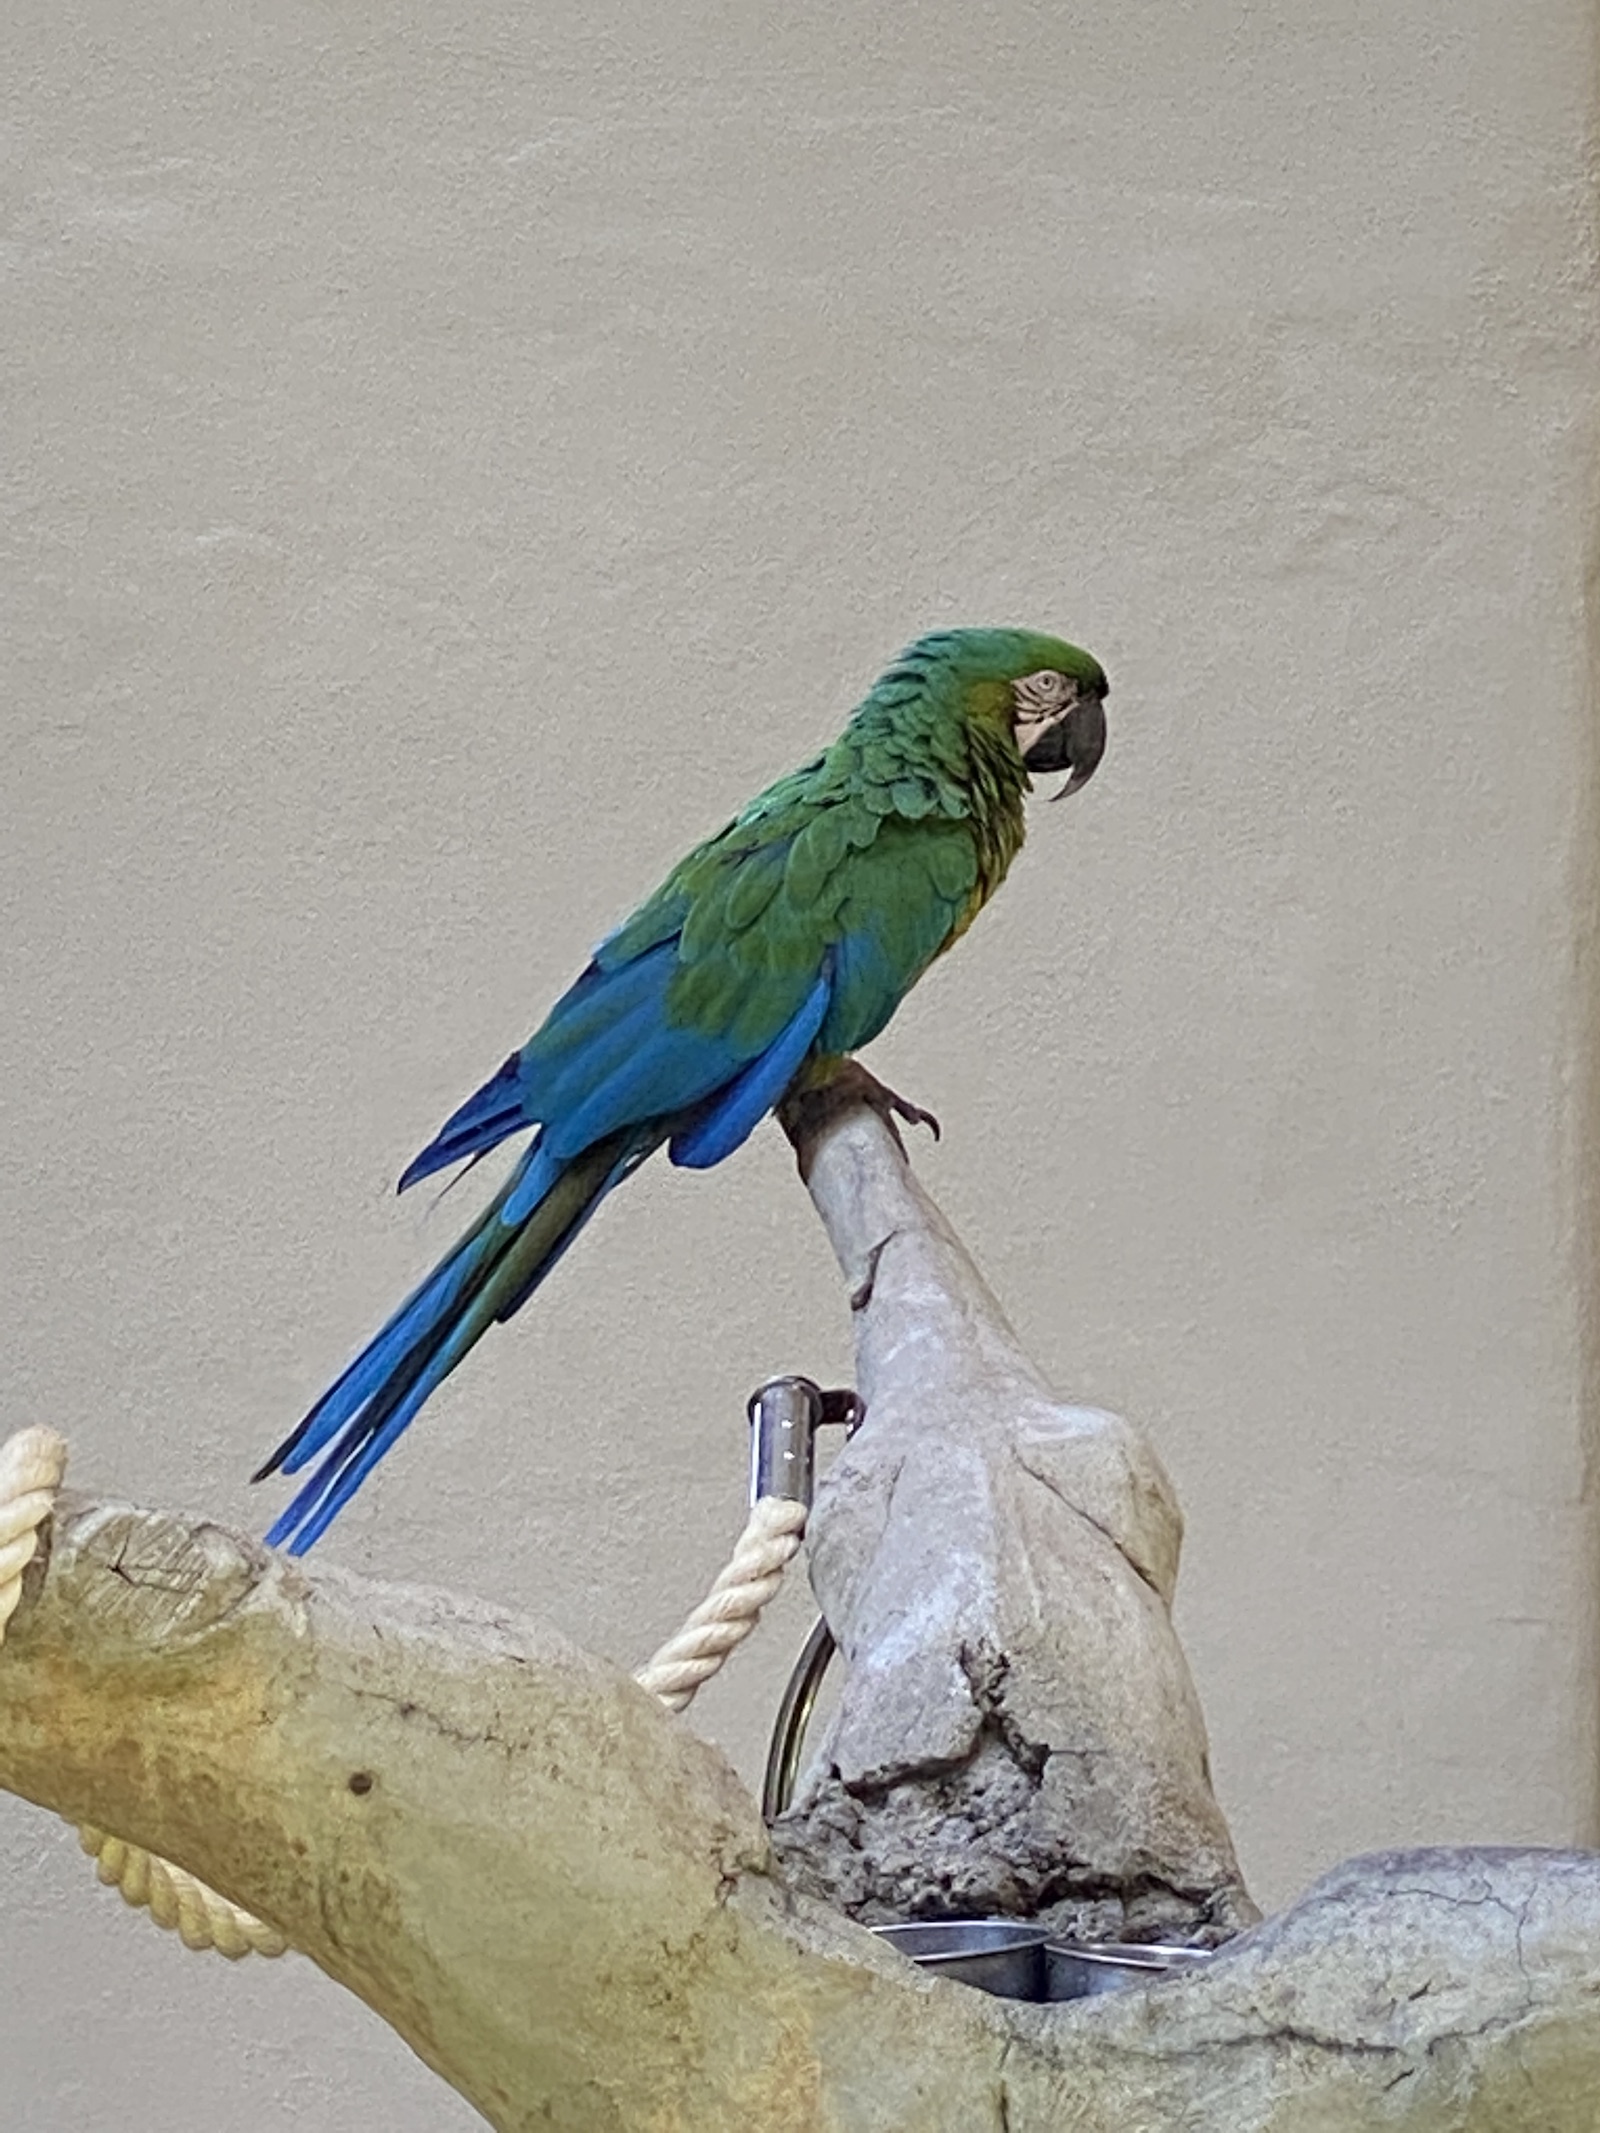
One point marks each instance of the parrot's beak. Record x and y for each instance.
(1076, 741)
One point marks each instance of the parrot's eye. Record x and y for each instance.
(1039, 694)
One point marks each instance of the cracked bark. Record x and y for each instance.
(1018, 1732)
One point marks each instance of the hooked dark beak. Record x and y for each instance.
(1075, 742)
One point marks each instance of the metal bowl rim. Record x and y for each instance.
(1131, 1954)
(1001, 1936)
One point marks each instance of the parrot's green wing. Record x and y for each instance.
(855, 869)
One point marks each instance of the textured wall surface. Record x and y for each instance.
(453, 456)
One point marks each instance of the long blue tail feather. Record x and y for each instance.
(487, 1275)
(421, 1312)
(640, 1147)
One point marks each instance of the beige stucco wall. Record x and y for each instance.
(454, 455)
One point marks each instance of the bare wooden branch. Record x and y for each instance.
(1018, 1732)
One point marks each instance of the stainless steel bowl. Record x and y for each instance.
(1000, 1955)
(1074, 1969)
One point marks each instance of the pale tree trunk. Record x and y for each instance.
(568, 1905)
(1018, 1731)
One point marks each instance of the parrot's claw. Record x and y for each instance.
(851, 1083)
(890, 1105)
(848, 1082)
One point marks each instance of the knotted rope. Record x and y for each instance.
(32, 1464)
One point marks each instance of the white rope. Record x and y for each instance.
(179, 1901)
(32, 1464)
(731, 1609)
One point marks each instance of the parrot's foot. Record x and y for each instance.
(888, 1103)
(846, 1082)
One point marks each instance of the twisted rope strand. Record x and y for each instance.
(731, 1609)
(31, 1466)
(179, 1901)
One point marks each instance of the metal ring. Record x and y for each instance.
(794, 1715)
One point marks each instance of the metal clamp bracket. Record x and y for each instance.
(785, 1415)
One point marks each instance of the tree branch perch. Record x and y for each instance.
(1018, 1732)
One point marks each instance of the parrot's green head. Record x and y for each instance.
(1048, 694)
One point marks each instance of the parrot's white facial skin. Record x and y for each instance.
(1059, 724)
(1040, 699)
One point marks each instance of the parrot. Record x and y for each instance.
(769, 955)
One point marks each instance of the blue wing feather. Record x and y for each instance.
(594, 1028)
(481, 1123)
(608, 1055)
(745, 1102)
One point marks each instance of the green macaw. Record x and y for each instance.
(775, 949)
